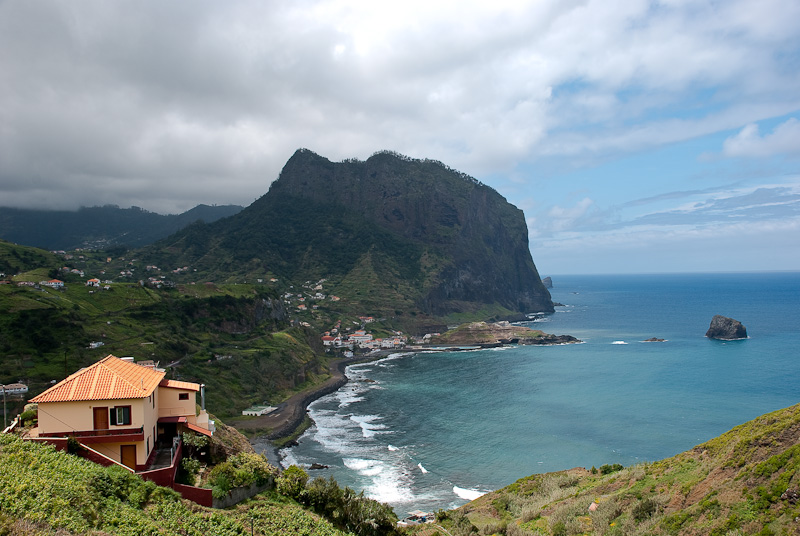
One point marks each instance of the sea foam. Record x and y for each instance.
(468, 494)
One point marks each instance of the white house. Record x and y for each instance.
(15, 388)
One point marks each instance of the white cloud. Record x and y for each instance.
(784, 139)
(108, 101)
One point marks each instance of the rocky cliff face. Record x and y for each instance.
(477, 241)
(397, 233)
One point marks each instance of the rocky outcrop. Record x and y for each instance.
(499, 333)
(548, 339)
(547, 282)
(725, 328)
(413, 236)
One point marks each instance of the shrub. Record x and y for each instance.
(188, 471)
(28, 417)
(608, 469)
(221, 479)
(559, 529)
(251, 469)
(292, 482)
(644, 509)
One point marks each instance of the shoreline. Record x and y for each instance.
(290, 415)
(292, 412)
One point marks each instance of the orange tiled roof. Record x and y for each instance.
(175, 384)
(110, 378)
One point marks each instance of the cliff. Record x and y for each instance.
(392, 232)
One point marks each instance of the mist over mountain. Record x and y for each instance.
(99, 227)
(391, 232)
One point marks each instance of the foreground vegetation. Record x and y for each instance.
(743, 482)
(43, 491)
(47, 492)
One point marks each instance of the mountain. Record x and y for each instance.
(99, 227)
(393, 234)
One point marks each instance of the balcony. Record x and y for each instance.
(111, 435)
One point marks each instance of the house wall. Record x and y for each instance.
(67, 417)
(55, 417)
(170, 405)
(149, 421)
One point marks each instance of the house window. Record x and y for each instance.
(120, 415)
(183, 396)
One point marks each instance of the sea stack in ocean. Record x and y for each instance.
(726, 328)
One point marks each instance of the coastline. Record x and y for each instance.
(290, 415)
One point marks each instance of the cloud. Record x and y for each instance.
(784, 139)
(173, 104)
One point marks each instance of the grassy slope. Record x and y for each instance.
(46, 492)
(733, 484)
(216, 333)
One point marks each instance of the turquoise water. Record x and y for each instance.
(431, 431)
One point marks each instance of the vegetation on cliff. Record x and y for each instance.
(43, 491)
(424, 239)
(47, 492)
(745, 481)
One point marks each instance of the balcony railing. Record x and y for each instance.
(109, 435)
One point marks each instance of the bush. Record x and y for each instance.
(28, 417)
(608, 469)
(292, 482)
(644, 509)
(251, 469)
(244, 469)
(187, 474)
(118, 483)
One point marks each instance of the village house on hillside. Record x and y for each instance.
(15, 388)
(120, 409)
(123, 413)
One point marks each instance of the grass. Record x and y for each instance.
(45, 491)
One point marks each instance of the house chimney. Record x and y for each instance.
(203, 396)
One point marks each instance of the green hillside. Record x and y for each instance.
(412, 240)
(47, 492)
(744, 482)
(235, 338)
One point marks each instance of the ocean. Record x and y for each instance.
(434, 430)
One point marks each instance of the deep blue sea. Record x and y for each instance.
(430, 431)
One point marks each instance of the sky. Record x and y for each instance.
(636, 136)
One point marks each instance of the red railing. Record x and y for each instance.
(111, 435)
